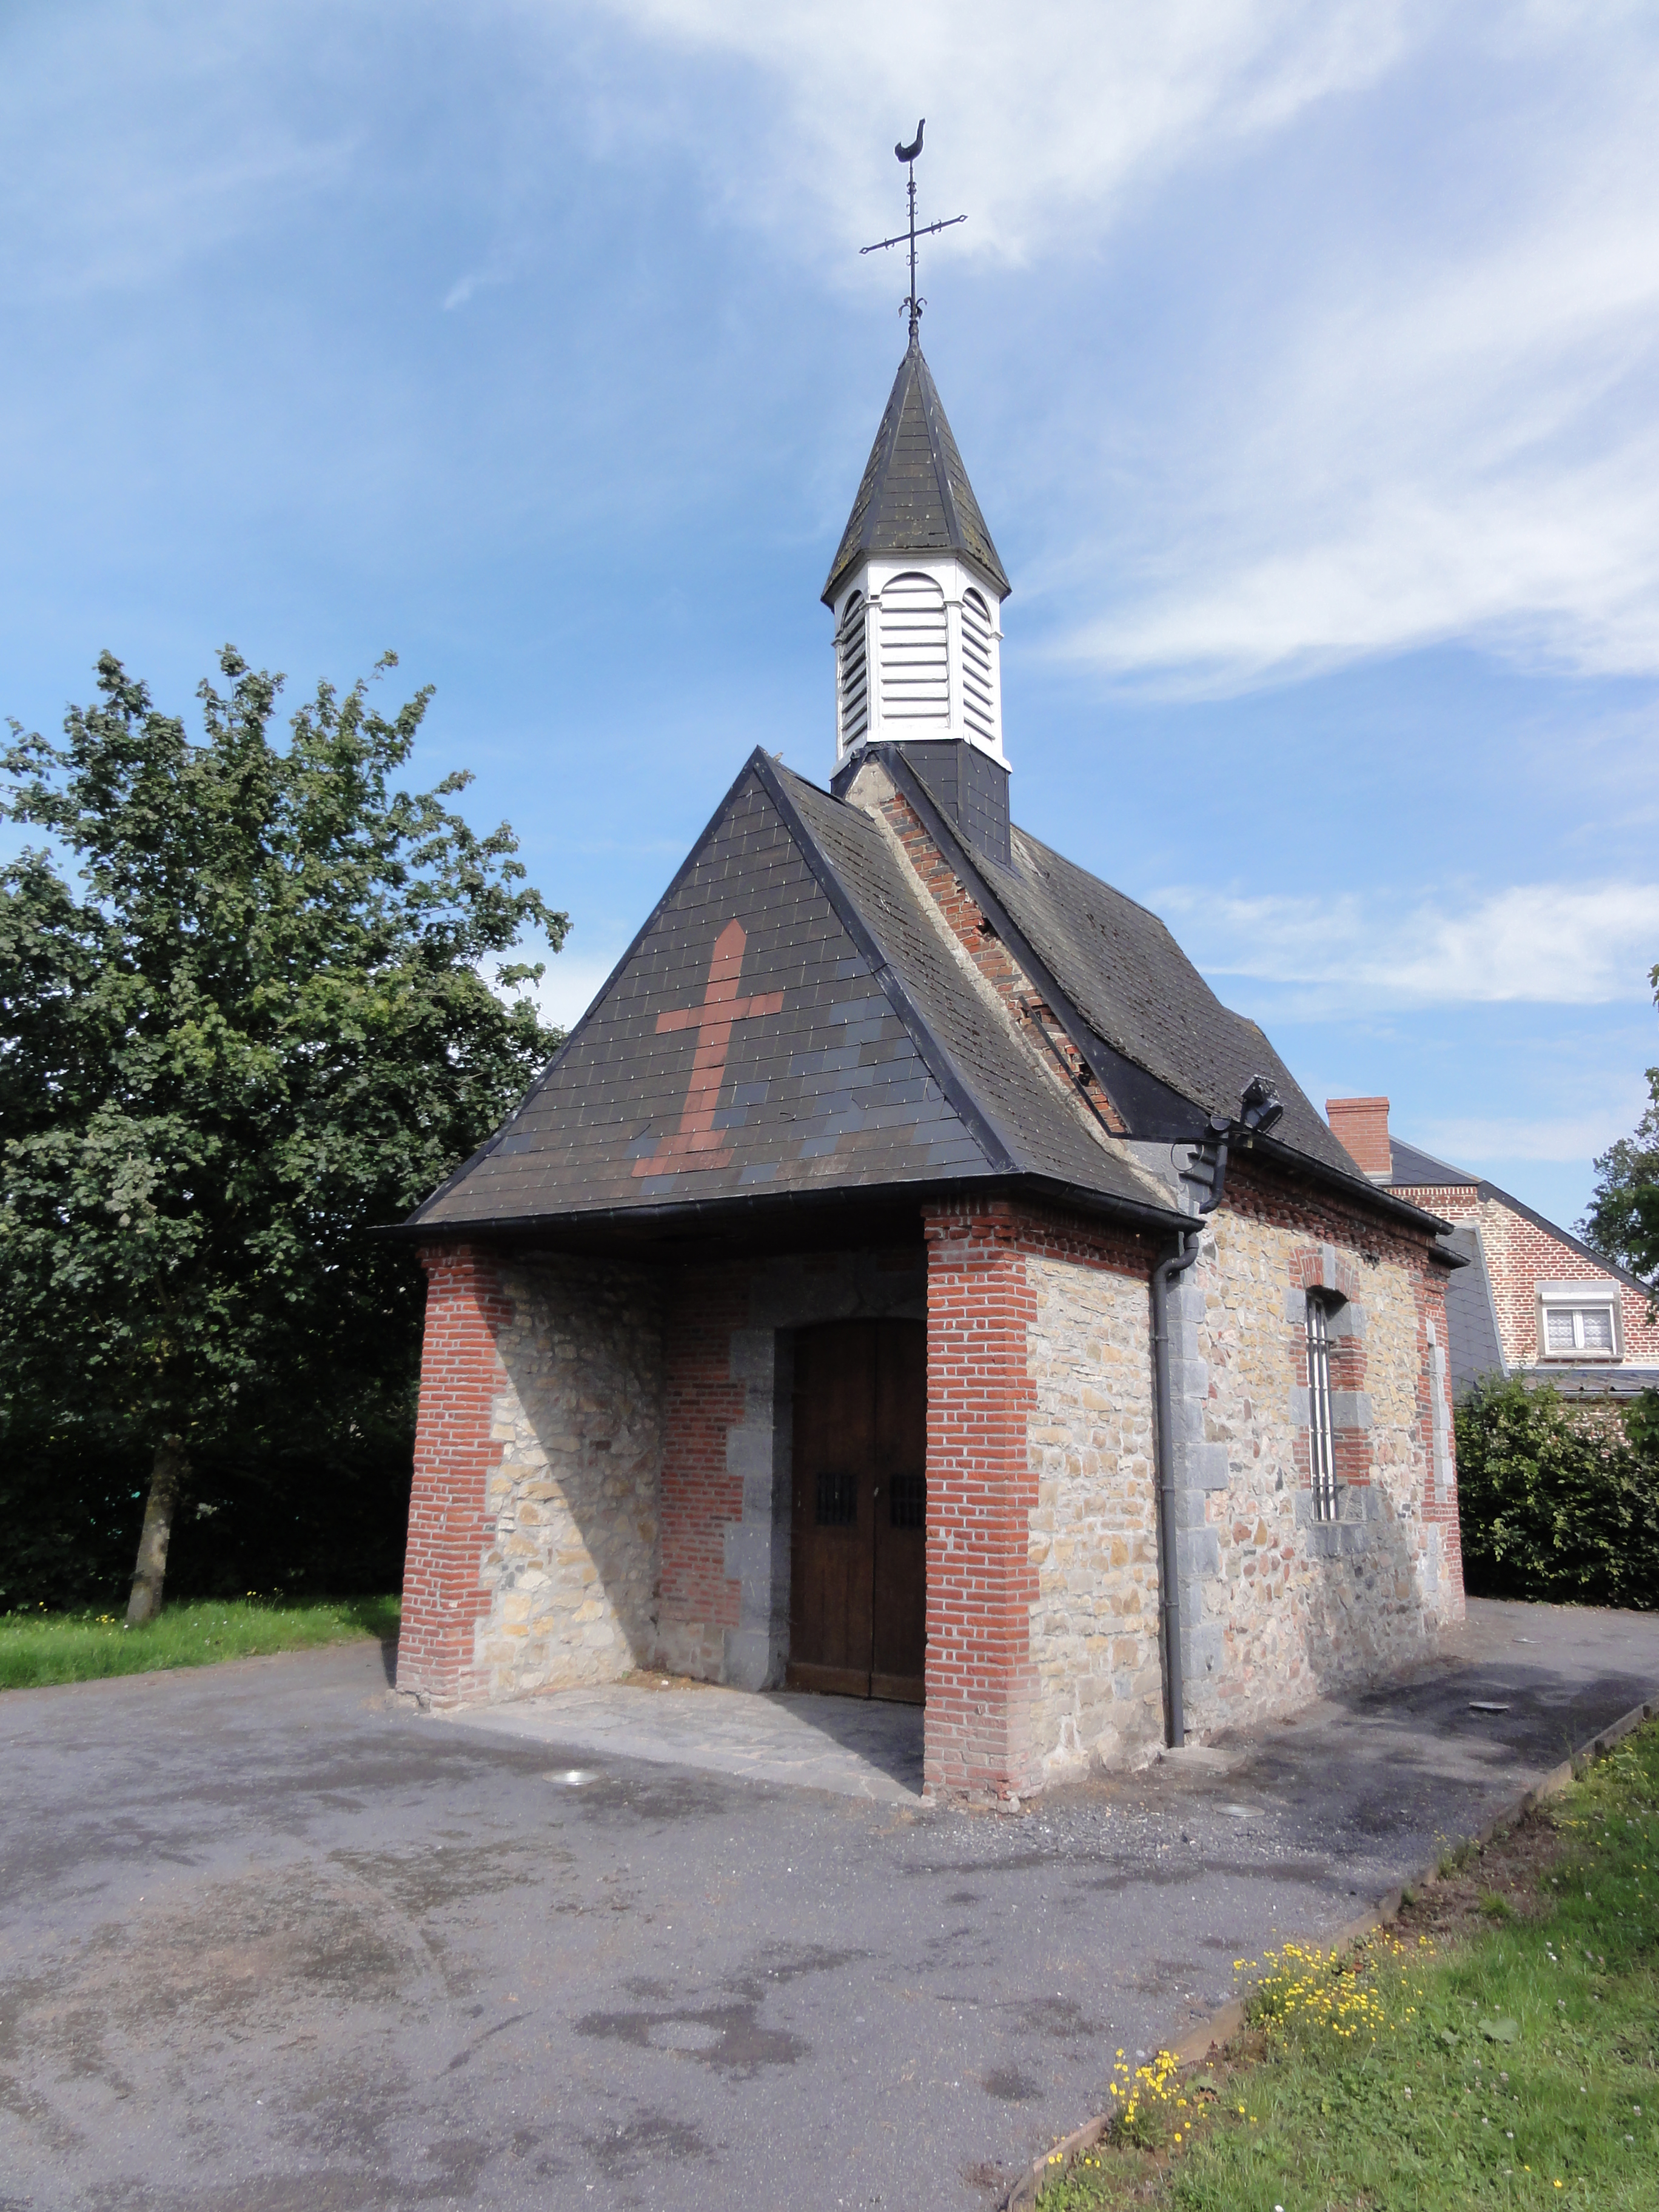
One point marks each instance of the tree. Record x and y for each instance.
(1623, 1221)
(259, 1032)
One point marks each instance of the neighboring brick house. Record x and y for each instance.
(910, 1281)
(1535, 1301)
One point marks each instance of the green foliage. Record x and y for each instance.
(1557, 1501)
(1517, 2069)
(1623, 1221)
(37, 1648)
(1622, 1224)
(327, 1514)
(258, 1031)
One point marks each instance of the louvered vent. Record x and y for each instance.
(852, 673)
(978, 689)
(916, 685)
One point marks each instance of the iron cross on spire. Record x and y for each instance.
(908, 155)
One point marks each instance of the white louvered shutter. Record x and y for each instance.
(852, 673)
(978, 693)
(915, 682)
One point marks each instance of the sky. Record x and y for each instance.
(1304, 355)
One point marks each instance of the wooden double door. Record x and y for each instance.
(858, 1619)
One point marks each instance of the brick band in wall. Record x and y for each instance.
(444, 1598)
(981, 1489)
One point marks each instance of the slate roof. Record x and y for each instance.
(915, 495)
(1413, 1170)
(1474, 1346)
(1137, 989)
(857, 1056)
(1136, 992)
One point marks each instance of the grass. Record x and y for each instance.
(1497, 2046)
(40, 1648)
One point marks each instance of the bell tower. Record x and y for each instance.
(917, 591)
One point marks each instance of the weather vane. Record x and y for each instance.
(907, 154)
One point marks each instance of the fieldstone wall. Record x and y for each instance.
(571, 1567)
(1278, 1605)
(1094, 1631)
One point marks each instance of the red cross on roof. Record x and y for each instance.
(697, 1143)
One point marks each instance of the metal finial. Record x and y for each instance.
(908, 155)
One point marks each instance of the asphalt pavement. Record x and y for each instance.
(270, 1941)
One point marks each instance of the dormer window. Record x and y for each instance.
(852, 673)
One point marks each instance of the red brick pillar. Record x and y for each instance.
(450, 1526)
(980, 1491)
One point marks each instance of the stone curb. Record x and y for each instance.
(1212, 2035)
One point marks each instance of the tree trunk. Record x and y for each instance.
(167, 1477)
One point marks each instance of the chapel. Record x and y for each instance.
(908, 1280)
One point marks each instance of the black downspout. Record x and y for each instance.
(1169, 1569)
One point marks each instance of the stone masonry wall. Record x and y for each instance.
(1094, 1529)
(570, 1564)
(1278, 1605)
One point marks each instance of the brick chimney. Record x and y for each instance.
(1361, 1126)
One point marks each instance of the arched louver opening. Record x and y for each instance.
(852, 674)
(978, 709)
(915, 684)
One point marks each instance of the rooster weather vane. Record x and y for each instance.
(908, 155)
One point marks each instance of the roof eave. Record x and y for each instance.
(1357, 1189)
(754, 1207)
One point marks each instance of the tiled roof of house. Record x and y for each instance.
(915, 495)
(841, 1046)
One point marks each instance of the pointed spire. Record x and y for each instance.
(916, 496)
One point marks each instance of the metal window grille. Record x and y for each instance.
(1321, 1433)
(837, 1499)
(907, 1501)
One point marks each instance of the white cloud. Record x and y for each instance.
(1420, 405)
(1047, 112)
(1559, 944)
(1569, 1138)
(1458, 447)
(498, 269)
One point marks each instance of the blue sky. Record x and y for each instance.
(1302, 356)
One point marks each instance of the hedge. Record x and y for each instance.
(1557, 1501)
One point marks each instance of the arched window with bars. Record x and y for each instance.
(978, 694)
(915, 678)
(852, 673)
